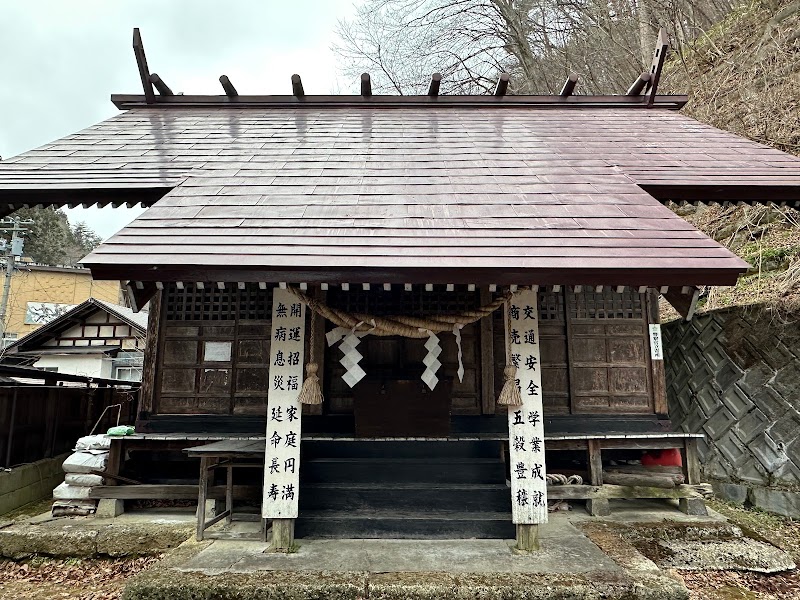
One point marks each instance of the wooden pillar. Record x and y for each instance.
(115, 458)
(691, 466)
(51, 408)
(527, 537)
(202, 492)
(657, 355)
(691, 461)
(282, 535)
(147, 390)
(488, 400)
(597, 507)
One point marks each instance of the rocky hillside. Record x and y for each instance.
(744, 76)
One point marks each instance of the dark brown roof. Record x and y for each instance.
(496, 194)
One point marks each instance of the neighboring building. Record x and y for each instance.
(93, 339)
(40, 293)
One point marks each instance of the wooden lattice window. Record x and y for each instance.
(214, 304)
(551, 306)
(397, 301)
(607, 304)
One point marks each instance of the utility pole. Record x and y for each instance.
(12, 252)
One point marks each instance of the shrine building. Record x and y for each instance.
(404, 316)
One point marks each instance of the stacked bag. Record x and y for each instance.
(72, 496)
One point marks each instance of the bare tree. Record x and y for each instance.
(607, 42)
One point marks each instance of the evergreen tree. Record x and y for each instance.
(50, 240)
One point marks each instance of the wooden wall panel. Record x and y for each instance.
(554, 364)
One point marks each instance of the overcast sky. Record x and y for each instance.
(62, 59)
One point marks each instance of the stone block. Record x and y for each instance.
(756, 377)
(737, 401)
(780, 502)
(727, 375)
(731, 492)
(709, 334)
(770, 454)
(787, 381)
(717, 468)
(752, 472)
(770, 402)
(716, 356)
(786, 429)
(703, 449)
(700, 378)
(789, 473)
(693, 506)
(719, 424)
(776, 355)
(733, 449)
(751, 425)
(695, 420)
(708, 401)
(108, 508)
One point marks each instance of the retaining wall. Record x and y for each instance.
(734, 375)
(29, 483)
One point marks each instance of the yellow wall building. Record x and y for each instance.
(38, 293)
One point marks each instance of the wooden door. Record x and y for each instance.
(608, 352)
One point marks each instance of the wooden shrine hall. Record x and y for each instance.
(417, 316)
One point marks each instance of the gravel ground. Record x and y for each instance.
(732, 585)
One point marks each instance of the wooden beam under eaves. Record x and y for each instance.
(140, 293)
(684, 303)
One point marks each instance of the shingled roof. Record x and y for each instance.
(505, 193)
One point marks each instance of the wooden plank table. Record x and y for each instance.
(223, 454)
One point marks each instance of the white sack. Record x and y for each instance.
(85, 462)
(71, 492)
(93, 442)
(83, 480)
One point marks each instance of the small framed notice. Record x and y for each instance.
(656, 347)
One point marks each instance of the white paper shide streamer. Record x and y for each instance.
(525, 422)
(431, 360)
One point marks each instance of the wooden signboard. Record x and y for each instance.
(282, 458)
(525, 423)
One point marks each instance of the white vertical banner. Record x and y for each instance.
(282, 458)
(525, 422)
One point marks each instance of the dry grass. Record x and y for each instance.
(743, 76)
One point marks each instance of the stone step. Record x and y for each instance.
(491, 497)
(401, 524)
(402, 470)
(400, 449)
